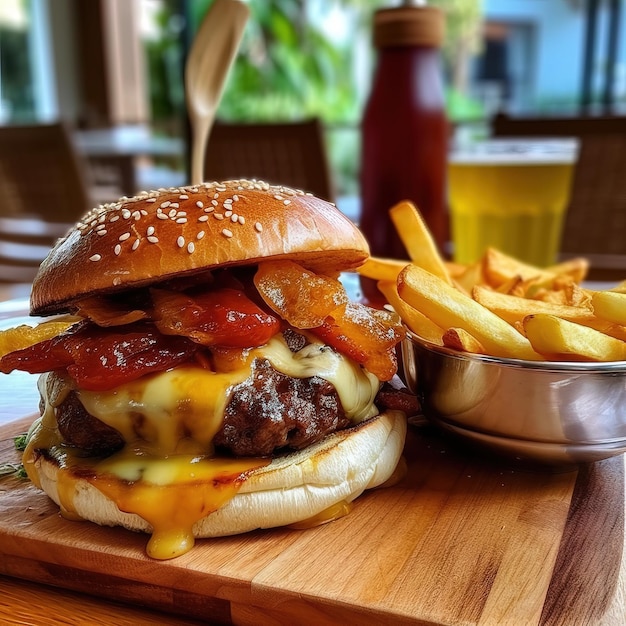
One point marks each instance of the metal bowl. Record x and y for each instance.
(552, 412)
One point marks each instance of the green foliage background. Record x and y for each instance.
(288, 68)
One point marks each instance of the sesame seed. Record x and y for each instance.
(101, 232)
(236, 197)
(143, 212)
(216, 196)
(241, 219)
(278, 197)
(172, 213)
(191, 247)
(258, 227)
(199, 204)
(180, 242)
(153, 239)
(181, 220)
(218, 216)
(234, 217)
(228, 201)
(100, 227)
(209, 209)
(150, 231)
(95, 257)
(228, 213)
(162, 216)
(203, 218)
(214, 202)
(200, 235)
(183, 196)
(124, 237)
(136, 244)
(137, 215)
(165, 204)
(227, 233)
(150, 199)
(114, 218)
(117, 249)
(126, 214)
(175, 205)
(286, 202)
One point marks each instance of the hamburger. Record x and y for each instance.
(210, 375)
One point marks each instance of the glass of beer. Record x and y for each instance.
(510, 194)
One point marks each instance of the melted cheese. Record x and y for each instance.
(182, 409)
(165, 473)
(170, 493)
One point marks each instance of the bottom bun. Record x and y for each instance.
(291, 489)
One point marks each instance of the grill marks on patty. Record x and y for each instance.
(270, 412)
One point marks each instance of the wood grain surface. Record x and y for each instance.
(463, 539)
(23, 603)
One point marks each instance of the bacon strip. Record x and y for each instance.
(98, 359)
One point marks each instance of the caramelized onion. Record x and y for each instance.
(299, 296)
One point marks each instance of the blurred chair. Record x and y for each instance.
(504, 125)
(41, 173)
(291, 154)
(595, 223)
(111, 177)
(24, 243)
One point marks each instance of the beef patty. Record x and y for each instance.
(271, 411)
(266, 413)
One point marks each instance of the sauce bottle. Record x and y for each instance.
(404, 130)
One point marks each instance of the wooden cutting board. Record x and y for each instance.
(463, 539)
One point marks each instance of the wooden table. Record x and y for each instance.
(127, 141)
(463, 539)
(23, 602)
(120, 148)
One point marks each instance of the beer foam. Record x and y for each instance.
(514, 151)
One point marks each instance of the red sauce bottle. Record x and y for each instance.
(404, 130)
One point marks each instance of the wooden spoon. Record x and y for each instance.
(212, 53)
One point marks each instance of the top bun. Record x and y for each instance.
(180, 231)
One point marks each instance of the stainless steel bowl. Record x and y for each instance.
(551, 412)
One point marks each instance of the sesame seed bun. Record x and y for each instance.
(180, 231)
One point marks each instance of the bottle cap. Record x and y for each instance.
(409, 26)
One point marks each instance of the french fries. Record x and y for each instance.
(450, 308)
(560, 339)
(514, 309)
(499, 267)
(610, 305)
(499, 305)
(382, 269)
(576, 268)
(459, 339)
(417, 239)
(415, 320)
(472, 276)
